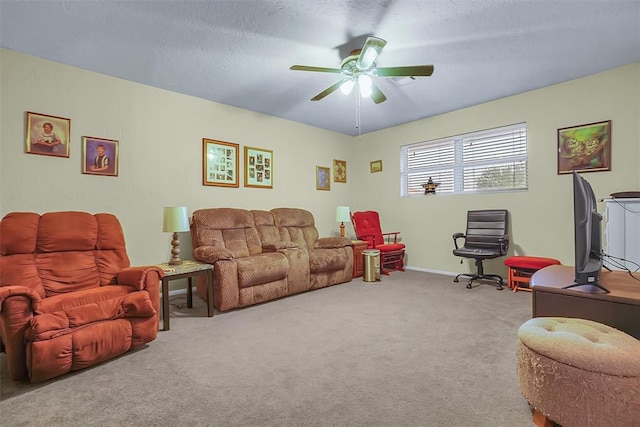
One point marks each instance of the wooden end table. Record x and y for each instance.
(186, 270)
(358, 265)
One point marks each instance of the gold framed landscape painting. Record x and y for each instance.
(258, 167)
(375, 166)
(99, 156)
(48, 135)
(323, 178)
(339, 171)
(585, 148)
(219, 163)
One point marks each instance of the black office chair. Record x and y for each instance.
(486, 238)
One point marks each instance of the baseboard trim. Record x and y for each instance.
(429, 270)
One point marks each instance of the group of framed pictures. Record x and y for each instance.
(323, 175)
(51, 136)
(220, 165)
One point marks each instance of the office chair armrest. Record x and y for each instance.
(504, 244)
(456, 236)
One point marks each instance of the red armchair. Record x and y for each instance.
(68, 297)
(367, 227)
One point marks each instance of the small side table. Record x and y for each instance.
(186, 270)
(358, 265)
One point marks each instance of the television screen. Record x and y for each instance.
(587, 237)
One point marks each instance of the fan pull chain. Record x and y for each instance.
(358, 109)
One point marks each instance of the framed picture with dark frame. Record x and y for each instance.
(220, 163)
(48, 135)
(339, 171)
(258, 167)
(585, 148)
(99, 156)
(323, 178)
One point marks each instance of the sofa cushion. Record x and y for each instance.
(265, 224)
(67, 301)
(67, 231)
(296, 225)
(20, 270)
(262, 268)
(49, 325)
(322, 260)
(63, 272)
(227, 228)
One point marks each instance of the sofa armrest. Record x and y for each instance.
(137, 277)
(210, 254)
(276, 246)
(17, 290)
(17, 306)
(332, 243)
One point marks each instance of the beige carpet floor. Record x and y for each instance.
(415, 349)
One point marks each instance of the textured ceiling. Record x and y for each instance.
(239, 52)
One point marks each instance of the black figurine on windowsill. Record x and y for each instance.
(430, 186)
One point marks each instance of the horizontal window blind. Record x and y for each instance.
(490, 160)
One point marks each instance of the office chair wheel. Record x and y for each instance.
(455, 280)
(469, 284)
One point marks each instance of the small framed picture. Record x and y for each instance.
(323, 178)
(99, 156)
(48, 135)
(339, 171)
(585, 148)
(219, 163)
(375, 166)
(258, 167)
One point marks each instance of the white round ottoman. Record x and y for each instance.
(579, 373)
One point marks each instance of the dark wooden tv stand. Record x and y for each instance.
(620, 308)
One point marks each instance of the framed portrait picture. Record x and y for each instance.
(258, 167)
(339, 171)
(99, 156)
(48, 135)
(375, 166)
(323, 178)
(219, 163)
(585, 148)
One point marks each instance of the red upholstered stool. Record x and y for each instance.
(522, 267)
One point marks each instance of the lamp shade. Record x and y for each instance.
(175, 219)
(343, 214)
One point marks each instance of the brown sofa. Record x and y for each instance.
(68, 297)
(263, 255)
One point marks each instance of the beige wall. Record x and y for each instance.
(542, 217)
(160, 134)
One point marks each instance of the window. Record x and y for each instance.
(490, 160)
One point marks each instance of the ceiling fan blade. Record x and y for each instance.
(376, 94)
(328, 90)
(414, 70)
(318, 69)
(370, 51)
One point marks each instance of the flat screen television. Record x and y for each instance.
(587, 223)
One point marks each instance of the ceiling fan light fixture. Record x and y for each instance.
(364, 84)
(347, 87)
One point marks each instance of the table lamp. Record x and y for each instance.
(342, 215)
(175, 220)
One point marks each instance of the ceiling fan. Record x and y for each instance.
(359, 66)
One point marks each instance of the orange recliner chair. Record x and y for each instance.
(367, 227)
(68, 297)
